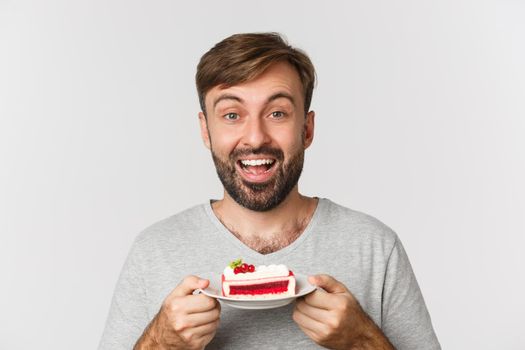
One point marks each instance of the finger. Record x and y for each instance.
(320, 315)
(198, 303)
(197, 337)
(202, 318)
(311, 334)
(206, 329)
(307, 323)
(188, 285)
(320, 299)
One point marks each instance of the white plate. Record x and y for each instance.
(214, 290)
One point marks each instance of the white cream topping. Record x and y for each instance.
(261, 271)
(254, 162)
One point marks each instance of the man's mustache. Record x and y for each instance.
(266, 150)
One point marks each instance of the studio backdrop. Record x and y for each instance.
(420, 122)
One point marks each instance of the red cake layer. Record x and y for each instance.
(257, 289)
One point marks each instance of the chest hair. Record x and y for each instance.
(269, 243)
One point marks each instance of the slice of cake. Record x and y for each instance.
(244, 281)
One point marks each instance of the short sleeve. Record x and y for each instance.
(128, 316)
(405, 318)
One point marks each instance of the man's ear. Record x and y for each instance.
(204, 130)
(309, 127)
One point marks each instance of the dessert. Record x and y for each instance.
(245, 281)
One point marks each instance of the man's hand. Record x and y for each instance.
(185, 321)
(333, 318)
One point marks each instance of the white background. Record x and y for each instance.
(420, 122)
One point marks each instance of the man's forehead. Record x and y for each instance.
(280, 80)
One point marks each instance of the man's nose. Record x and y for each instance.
(255, 133)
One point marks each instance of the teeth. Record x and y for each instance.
(255, 162)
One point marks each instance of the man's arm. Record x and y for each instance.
(333, 318)
(185, 321)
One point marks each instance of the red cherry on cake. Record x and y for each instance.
(237, 270)
(244, 268)
(251, 268)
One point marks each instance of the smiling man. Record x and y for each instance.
(253, 124)
(255, 92)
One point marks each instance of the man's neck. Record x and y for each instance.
(271, 230)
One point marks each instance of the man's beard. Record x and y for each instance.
(260, 196)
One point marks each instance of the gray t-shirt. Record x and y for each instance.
(356, 249)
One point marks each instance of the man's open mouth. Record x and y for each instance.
(257, 166)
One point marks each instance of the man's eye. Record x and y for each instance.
(231, 116)
(277, 114)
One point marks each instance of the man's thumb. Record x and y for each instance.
(328, 283)
(189, 284)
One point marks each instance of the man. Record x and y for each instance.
(255, 92)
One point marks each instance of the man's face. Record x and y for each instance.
(257, 132)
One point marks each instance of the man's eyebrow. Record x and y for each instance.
(281, 95)
(226, 97)
(273, 97)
